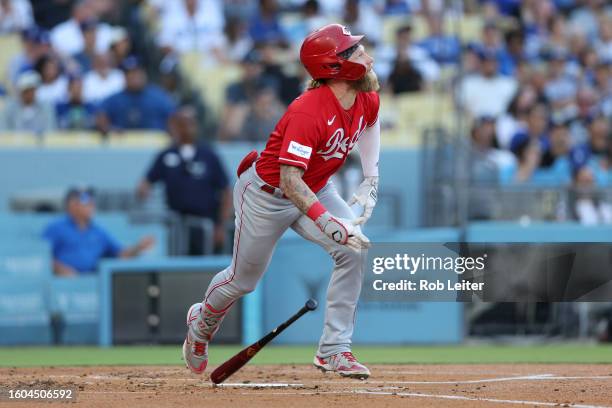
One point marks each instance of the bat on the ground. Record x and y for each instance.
(235, 363)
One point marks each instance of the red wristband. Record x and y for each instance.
(316, 210)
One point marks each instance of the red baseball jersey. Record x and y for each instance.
(316, 134)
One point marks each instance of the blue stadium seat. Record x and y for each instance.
(24, 315)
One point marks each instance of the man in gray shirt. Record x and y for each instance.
(23, 113)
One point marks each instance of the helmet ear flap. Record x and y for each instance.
(351, 71)
(333, 68)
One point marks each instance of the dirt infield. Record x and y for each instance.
(304, 386)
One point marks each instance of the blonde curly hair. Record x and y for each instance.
(315, 83)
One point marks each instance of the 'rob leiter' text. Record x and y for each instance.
(413, 265)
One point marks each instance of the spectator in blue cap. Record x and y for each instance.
(78, 243)
(139, 106)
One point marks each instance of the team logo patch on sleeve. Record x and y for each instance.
(299, 150)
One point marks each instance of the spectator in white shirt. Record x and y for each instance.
(486, 93)
(514, 120)
(67, 37)
(54, 86)
(103, 81)
(237, 42)
(197, 25)
(15, 15)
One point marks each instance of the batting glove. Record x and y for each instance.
(366, 196)
(343, 231)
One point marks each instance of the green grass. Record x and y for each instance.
(170, 355)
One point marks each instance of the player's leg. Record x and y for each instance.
(342, 293)
(260, 221)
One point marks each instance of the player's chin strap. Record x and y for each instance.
(340, 230)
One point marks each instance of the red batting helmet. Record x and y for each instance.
(319, 53)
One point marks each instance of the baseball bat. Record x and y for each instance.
(235, 363)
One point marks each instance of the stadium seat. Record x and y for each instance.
(211, 81)
(142, 138)
(405, 117)
(10, 44)
(86, 139)
(468, 29)
(77, 138)
(18, 139)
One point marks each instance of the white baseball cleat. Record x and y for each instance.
(344, 364)
(195, 348)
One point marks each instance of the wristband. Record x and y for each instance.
(315, 210)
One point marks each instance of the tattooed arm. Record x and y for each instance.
(295, 189)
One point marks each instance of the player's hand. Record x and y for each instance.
(342, 231)
(366, 196)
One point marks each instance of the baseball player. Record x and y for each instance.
(288, 187)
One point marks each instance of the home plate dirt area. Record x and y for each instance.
(575, 385)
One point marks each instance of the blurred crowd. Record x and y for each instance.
(539, 88)
(535, 86)
(79, 62)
